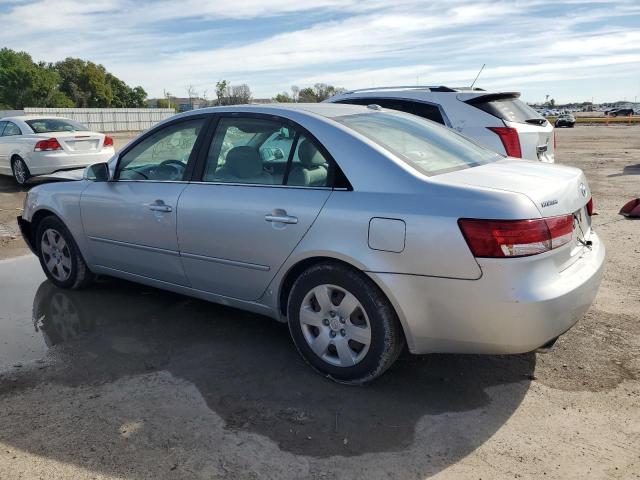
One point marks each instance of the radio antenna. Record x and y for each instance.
(475, 79)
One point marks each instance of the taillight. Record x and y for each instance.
(108, 141)
(590, 207)
(510, 140)
(516, 238)
(555, 143)
(47, 145)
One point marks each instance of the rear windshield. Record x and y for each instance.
(46, 125)
(428, 147)
(510, 109)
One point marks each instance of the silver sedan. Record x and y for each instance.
(365, 229)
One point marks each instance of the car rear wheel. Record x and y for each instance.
(59, 255)
(342, 324)
(20, 171)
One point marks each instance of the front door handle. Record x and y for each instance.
(159, 206)
(280, 216)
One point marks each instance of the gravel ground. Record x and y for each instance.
(123, 381)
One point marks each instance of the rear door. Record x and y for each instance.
(244, 215)
(534, 131)
(130, 222)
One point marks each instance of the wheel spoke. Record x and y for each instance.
(60, 243)
(348, 305)
(46, 248)
(359, 334)
(320, 344)
(322, 296)
(51, 239)
(344, 353)
(51, 264)
(66, 262)
(309, 317)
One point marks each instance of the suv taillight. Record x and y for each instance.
(590, 207)
(108, 141)
(516, 238)
(510, 140)
(47, 145)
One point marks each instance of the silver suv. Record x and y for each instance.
(499, 121)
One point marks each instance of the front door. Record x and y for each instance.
(130, 222)
(263, 186)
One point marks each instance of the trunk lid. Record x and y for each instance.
(554, 189)
(77, 142)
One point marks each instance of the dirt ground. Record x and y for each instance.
(123, 381)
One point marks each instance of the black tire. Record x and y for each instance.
(77, 275)
(386, 336)
(17, 166)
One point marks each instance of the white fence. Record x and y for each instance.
(109, 119)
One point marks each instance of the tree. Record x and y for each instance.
(192, 93)
(221, 91)
(239, 94)
(295, 93)
(307, 95)
(24, 83)
(319, 92)
(283, 98)
(84, 82)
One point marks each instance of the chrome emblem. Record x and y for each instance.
(548, 203)
(583, 189)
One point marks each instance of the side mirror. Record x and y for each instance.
(98, 172)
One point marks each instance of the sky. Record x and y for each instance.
(571, 50)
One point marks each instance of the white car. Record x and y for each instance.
(38, 145)
(499, 121)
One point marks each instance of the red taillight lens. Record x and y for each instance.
(108, 141)
(510, 140)
(516, 238)
(590, 207)
(47, 145)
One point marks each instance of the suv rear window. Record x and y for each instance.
(510, 109)
(424, 110)
(429, 148)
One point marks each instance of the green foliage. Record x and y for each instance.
(283, 97)
(319, 93)
(221, 91)
(70, 83)
(24, 83)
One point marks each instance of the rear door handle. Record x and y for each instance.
(280, 216)
(159, 206)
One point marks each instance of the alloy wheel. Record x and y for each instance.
(56, 254)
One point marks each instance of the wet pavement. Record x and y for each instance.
(244, 365)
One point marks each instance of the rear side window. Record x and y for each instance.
(11, 129)
(509, 109)
(424, 110)
(2, 124)
(429, 148)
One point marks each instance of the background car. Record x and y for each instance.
(499, 121)
(36, 145)
(364, 228)
(565, 120)
(620, 112)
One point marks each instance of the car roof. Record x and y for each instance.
(24, 118)
(465, 93)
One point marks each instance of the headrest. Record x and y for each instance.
(309, 155)
(244, 162)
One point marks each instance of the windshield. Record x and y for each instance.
(46, 125)
(428, 147)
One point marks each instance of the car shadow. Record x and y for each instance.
(627, 170)
(249, 373)
(9, 185)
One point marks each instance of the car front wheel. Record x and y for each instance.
(59, 255)
(342, 324)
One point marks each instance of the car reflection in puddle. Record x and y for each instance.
(248, 371)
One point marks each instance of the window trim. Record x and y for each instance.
(200, 166)
(445, 118)
(188, 172)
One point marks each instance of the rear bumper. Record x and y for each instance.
(42, 163)
(517, 306)
(27, 234)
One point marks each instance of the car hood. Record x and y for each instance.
(555, 189)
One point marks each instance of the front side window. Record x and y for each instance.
(427, 147)
(46, 125)
(11, 129)
(163, 155)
